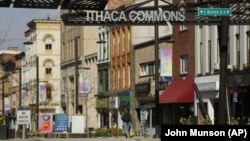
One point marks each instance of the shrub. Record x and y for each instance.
(108, 132)
(2, 120)
(234, 121)
(187, 121)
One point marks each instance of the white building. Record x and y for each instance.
(42, 61)
(207, 64)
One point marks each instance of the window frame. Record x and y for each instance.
(184, 64)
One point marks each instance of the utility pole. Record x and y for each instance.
(157, 111)
(223, 41)
(76, 77)
(37, 92)
(20, 87)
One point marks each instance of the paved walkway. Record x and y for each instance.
(89, 139)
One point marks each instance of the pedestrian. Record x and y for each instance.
(126, 118)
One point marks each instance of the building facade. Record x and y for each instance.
(103, 56)
(143, 71)
(120, 47)
(79, 58)
(9, 84)
(207, 69)
(178, 98)
(41, 65)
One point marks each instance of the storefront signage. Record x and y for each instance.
(45, 123)
(23, 117)
(61, 123)
(113, 102)
(124, 100)
(143, 87)
(102, 103)
(210, 86)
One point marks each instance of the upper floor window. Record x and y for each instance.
(48, 64)
(48, 39)
(147, 69)
(183, 27)
(48, 46)
(248, 47)
(49, 92)
(184, 64)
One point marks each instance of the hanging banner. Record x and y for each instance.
(6, 104)
(45, 123)
(25, 98)
(166, 61)
(42, 93)
(83, 84)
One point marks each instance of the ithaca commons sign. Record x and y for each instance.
(134, 16)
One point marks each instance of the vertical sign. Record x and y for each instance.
(166, 61)
(61, 123)
(42, 93)
(83, 84)
(23, 117)
(25, 98)
(45, 123)
(6, 104)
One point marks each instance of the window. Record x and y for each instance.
(147, 69)
(48, 67)
(48, 71)
(100, 81)
(209, 55)
(184, 64)
(107, 44)
(106, 73)
(237, 50)
(49, 92)
(183, 27)
(248, 48)
(48, 46)
(201, 58)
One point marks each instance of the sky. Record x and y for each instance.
(13, 24)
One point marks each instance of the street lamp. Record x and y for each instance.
(37, 83)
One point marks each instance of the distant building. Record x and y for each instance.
(43, 60)
(9, 84)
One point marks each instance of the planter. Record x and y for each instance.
(3, 131)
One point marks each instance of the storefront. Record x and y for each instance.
(239, 95)
(208, 87)
(177, 101)
(145, 108)
(113, 112)
(102, 105)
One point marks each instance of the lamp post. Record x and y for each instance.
(37, 84)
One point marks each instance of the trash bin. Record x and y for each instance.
(91, 129)
(3, 131)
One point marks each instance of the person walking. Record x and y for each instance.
(126, 118)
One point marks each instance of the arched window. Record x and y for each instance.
(49, 92)
(48, 39)
(48, 64)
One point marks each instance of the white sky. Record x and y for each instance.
(13, 24)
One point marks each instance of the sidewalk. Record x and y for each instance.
(89, 139)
